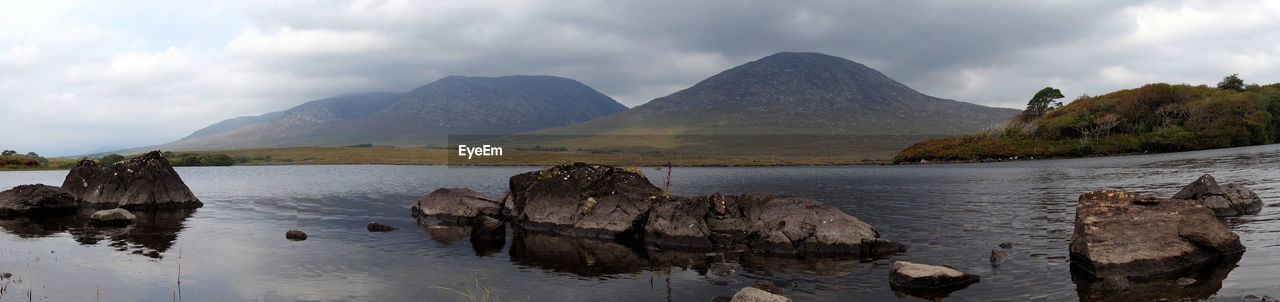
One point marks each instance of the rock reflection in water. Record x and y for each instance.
(1208, 278)
(151, 235)
(484, 243)
(596, 258)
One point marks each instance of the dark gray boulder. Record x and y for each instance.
(36, 199)
(454, 206)
(378, 227)
(1126, 234)
(1228, 200)
(144, 182)
(295, 235)
(928, 281)
(112, 217)
(582, 200)
(998, 257)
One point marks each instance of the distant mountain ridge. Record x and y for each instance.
(792, 92)
(425, 115)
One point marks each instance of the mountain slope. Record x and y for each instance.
(426, 115)
(807, 93)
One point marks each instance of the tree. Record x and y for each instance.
(32, 154)
(1232, 82)
(1043, 101)
(8, 153)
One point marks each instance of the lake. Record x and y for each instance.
(233, 248)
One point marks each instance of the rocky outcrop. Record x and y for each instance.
(581, 200)
(378, 227)
(454, 206)
(928, 281)
(1126, 234)
(1228, 200)
(603, 202)
(147, 181)
(35, 199)
(112, 217)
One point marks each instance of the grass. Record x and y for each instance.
(478, 293)
(54, 164)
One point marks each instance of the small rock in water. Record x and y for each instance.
(1115, 283)
(1006, 245)
(378, 227)
(1269, 299)
(720, 269)
(295, 235)
(911, 275)
(112, 217)
(998, 257)
(751, 294)
(488, 223)
(1186, 281)
(5, 275)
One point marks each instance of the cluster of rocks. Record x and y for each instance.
(1172, 244)
(603, 202)
(143, 183)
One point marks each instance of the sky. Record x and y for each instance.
(76, 76)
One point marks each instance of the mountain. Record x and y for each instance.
(1153, 118)
(423, 116)
(811, 107)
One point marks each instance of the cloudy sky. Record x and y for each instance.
(76, 76)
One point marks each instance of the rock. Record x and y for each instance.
(1125, 234)
(1114, 284)
(147, 181)
(998, 257)
(583, 200)
(1186, 281)
(751, 294)
(378, 227)
(921, 277)
(35, 199)
(488, 223)
(488, 228)
(768, 287)
(112, 217)
(1006, 245)
(765, 223)
(455, 206)
(1269, 299)
(1228, 200)
(295, 235)
(720, 269)
(5, 276)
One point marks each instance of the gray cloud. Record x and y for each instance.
(76, 81)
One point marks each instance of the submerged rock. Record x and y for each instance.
(1125, 234)
(1114, 284)
(454, 206)
(928, 281)
(112, 217)
(1228, 200)
(35, 199)
(751, 294)
(378, 227)
(147, 181)
(295, 235)
(998, 257)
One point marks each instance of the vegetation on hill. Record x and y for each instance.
(1154, 118)
(179, 159)
(14, 160)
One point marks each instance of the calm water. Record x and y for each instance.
(233, 249)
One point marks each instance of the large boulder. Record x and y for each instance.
(764, 222)
(146, 182)
(583, 200)
(454, 206)
(35, 199)
(928, 281)
(1228, 200)
(1126, 234)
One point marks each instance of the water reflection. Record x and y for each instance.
(1208, 279)
(153, 233)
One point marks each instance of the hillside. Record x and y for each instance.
(423, 116)
(785, 103)
(1154, 118)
